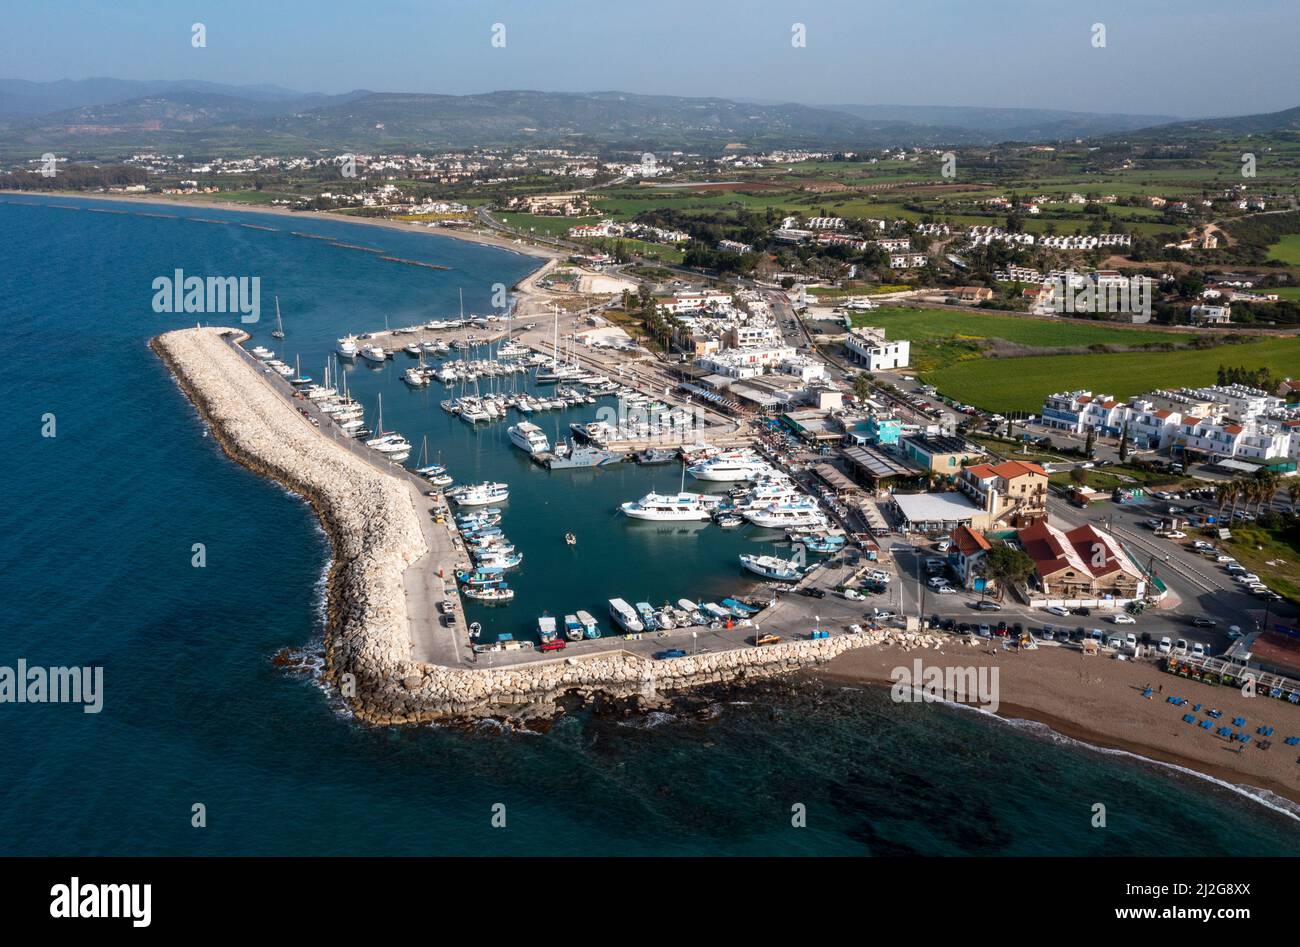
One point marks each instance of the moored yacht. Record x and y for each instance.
(347, 346)
(657, 506)
(528, 437)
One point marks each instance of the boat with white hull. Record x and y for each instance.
(772, 567)
(529, 438)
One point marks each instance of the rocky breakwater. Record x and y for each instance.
(374, 526)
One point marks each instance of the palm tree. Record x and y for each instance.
(1236, 490)
(1222, 492)
(1267, 484)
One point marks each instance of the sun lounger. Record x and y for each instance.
(1189, 718)
(1224, 732)
(1238, 721)
(1292, 741)
(1206, 724)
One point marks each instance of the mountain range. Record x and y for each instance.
(102, 117)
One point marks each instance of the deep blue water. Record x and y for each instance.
(98, 525)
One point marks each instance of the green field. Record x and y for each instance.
(942, 338)
(1020, 384)
(1286, 250)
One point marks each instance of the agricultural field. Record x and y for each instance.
(549, 226)
(1020, 384)
(941, 337)
(1286, 250)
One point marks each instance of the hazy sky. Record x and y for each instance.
(1178, 57)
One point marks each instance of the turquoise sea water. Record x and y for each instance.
(98, 525)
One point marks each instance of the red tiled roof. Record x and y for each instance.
(968, 541)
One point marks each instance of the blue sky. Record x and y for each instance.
(1179, 57)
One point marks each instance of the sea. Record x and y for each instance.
(103, 523)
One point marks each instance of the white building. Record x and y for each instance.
(868, 347)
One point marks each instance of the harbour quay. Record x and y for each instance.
(391, 657)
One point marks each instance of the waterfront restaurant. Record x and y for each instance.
(873, 467)
(938, 513)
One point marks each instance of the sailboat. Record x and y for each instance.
(390, 443)
(279, 326)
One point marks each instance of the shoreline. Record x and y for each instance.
(1082, 699)
(157, 200)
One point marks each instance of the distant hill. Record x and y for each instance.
(1267, 123)
(100, 118)
(18, 97)
(205, 120)
(1008, 124)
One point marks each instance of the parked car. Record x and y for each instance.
(554, 644)
(1165, 646)
(946, 590)
(812, 592)
(671, 653)
(1122, 618)
(1200, 621)
(882, 614)
(1198, 649)
(1060, 610)
(1180, 646)
(765, 639)
(987, 606)
(1131, 640)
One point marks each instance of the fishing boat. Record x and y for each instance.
(572, 628)
(715, 612)
(279, 326)
(262, 352)
(729, 520)
(475, 629)
(625, 616)
(546, 628)
(490, 594)
(739, 609)
(499, 559)
(480, 494)
(647, 613)
(374, 353)
(771, 567)
(589, 627)
(692, 610)
(485, 576)
(664, 617)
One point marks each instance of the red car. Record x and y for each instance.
(555, 644)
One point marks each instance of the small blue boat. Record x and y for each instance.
(739, 609)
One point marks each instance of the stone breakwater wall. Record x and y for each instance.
(374, 527)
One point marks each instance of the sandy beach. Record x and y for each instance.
(1098, 701)
(478, 235)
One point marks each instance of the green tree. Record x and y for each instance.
(1007, 566)
(1123, 444)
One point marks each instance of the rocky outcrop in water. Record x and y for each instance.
(375, 530)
